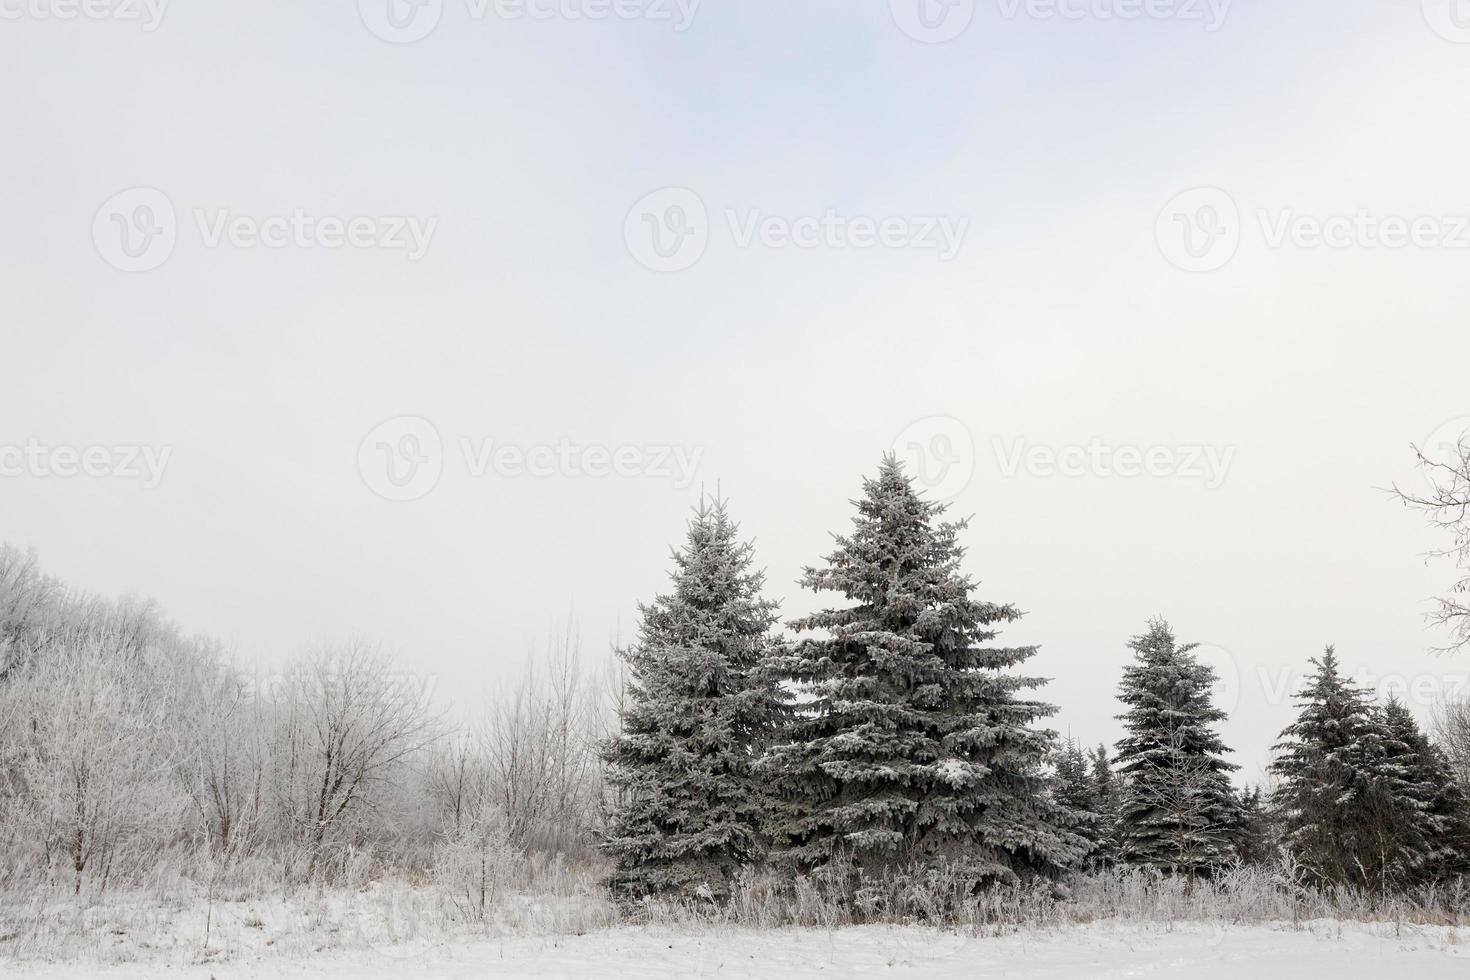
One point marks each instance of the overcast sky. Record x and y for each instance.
(426, 324)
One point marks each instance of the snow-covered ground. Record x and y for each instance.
(1321, 949)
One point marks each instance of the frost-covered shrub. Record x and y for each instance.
(475, 865)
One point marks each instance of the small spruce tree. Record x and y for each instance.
(1075, 791)
(1344, 800)
(1177, 811)
(1432, 802)
(1107, 792)
(1254, 837)
(697, 714)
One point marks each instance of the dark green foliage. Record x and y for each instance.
(912, 744)
(1107, 793)
(1345, 800)
(1072, 784)
(1075, 791)
(1177, 811)
(698, 712)
(1255, 836)
(1433, 803)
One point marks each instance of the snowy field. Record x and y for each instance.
(1325, 949)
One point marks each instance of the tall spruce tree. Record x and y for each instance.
(1344, 799)
(1177, 811)
(912, 744)
(697, 714)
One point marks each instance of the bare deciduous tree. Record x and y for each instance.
(1447, 506)
(92, 775)
(28, 599)
(348, 723)
(221, 755)
(1451, 728)
(455, 778)
(540, 746)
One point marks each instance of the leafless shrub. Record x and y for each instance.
(475, 865)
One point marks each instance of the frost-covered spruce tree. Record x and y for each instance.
(1178, 810)
(1255, 837)
(910, 743)
(697, 714)
(1107, 792)
(1434, 806)
(1343, 800)
(1074, 788)
(1072, 783)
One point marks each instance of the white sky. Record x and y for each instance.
(529, 320)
